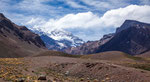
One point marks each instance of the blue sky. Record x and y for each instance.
(87, 19)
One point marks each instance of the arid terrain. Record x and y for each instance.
(64, 68)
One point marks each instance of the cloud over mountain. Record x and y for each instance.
(88, 20)
(116, 17)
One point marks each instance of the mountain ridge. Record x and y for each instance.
(132, 37)
(130, 23)
(18, 41)
(90, 46)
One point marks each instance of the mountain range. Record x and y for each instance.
(90, 46)
(132, 37)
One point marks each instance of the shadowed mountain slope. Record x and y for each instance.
(132, 37)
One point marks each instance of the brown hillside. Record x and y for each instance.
(17, 41)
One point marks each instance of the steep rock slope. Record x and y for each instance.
(17, 41)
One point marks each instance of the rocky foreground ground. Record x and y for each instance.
(66, 69)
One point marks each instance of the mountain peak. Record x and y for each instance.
(60, 33)
(131, 20)
(132, 37)
(131, 23)
(59, 40)
(2, 15)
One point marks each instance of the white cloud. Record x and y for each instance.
(112, 18)
(88, 20)
(80, 20)
(117, 16)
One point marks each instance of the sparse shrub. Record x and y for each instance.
(95, 80)
(82, 79)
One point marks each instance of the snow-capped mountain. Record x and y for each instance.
(60, 39)
(66, 38)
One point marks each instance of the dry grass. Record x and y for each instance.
(11, 70)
